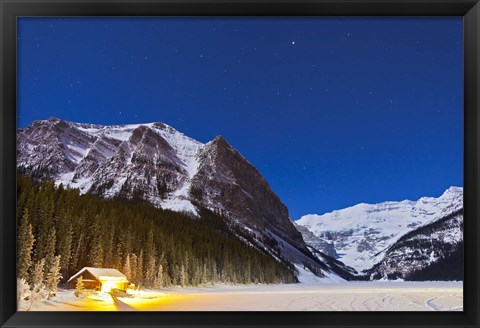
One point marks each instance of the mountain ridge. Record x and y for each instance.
(362, 234)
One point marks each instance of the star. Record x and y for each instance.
(293, 42)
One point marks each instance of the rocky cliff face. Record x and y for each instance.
(156, 164)
(227, 182)
(317, 243)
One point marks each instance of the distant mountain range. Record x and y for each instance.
(155, 164)
(392, 239)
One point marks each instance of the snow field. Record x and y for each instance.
(358, 296)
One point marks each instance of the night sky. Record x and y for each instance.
(332, 111)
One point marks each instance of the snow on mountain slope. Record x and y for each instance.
(363, 232)
(107, 160)
(315, 242)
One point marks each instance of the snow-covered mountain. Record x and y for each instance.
(156, 164)
(431, 252)
(363, 233)
(317, 243)
(152, 159)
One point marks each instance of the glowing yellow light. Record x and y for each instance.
(108, 286)
(109, 283)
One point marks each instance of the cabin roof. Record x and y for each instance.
(99, 272)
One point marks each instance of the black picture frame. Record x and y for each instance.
(10, 10)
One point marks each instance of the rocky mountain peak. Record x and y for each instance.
(227, 182)
(220, 140)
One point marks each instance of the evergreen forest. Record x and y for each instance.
(61, 231)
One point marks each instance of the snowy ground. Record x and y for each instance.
(355, 296)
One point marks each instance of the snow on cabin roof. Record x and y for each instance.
(100, 272)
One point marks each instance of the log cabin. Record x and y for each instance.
(101, 279)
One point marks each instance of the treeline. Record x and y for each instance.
(446, 268)
(152, 247)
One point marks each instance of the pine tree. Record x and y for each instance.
(167, 281)
(187, 268)
(76, 258)
(159, 279)
(133, 269)
(45, 208)
(204, 274)
(183, 276)
(127, 268)
(79, 288)
(214, 273)
(108, 249)
(37, 273)
(248, 278)
(150, 271)
(38, 292)
(96, 247)
(139, 275)
(50, 250)
(25, 246)
(64, 245)
(53, 277)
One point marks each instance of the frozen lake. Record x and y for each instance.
(355, 296)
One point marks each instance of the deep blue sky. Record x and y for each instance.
(332, 111)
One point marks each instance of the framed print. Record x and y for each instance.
(222, 163)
